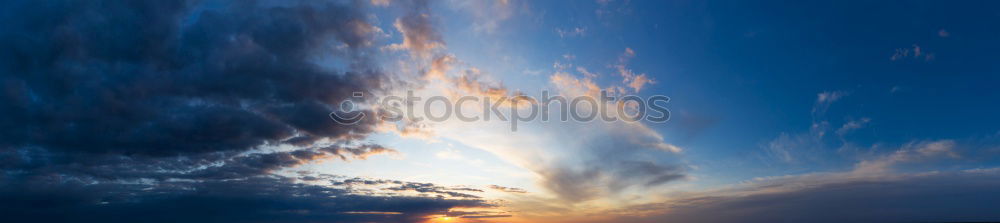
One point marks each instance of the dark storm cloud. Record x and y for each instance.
(156, 111)
(32, 163)
(931, 197)
(168, 78)
(258, 199)
(205, 188)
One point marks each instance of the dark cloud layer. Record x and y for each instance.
(423, 188)
(258, 199)
(156, 111)
(933, 197)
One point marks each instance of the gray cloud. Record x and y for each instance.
(508, 189)
(420, 36)
(931, 197)
(256, 199)
(431, 188)
(607, 177)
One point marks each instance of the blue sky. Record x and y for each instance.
(749, 72)
(760, 89)
(779, 109)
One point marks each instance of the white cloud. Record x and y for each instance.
(824, 100)
(911, 152)
(571, 32)
(915, 52)
(630, 78)
(852, 125)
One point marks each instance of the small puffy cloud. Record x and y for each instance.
(629, 53)
(915, 53)
(829, 97)
(825, 99)
(571, 32)
(572, 86)
(630, 78)
(639, 81)
(470, 82)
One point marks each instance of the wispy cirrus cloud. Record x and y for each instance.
(852, 125)
(508, 189)
(793, 147)
(910, 152)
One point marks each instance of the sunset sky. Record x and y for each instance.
(220, 111)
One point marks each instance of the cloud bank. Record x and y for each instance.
(126, 111)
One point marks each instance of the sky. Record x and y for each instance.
(233, 111)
